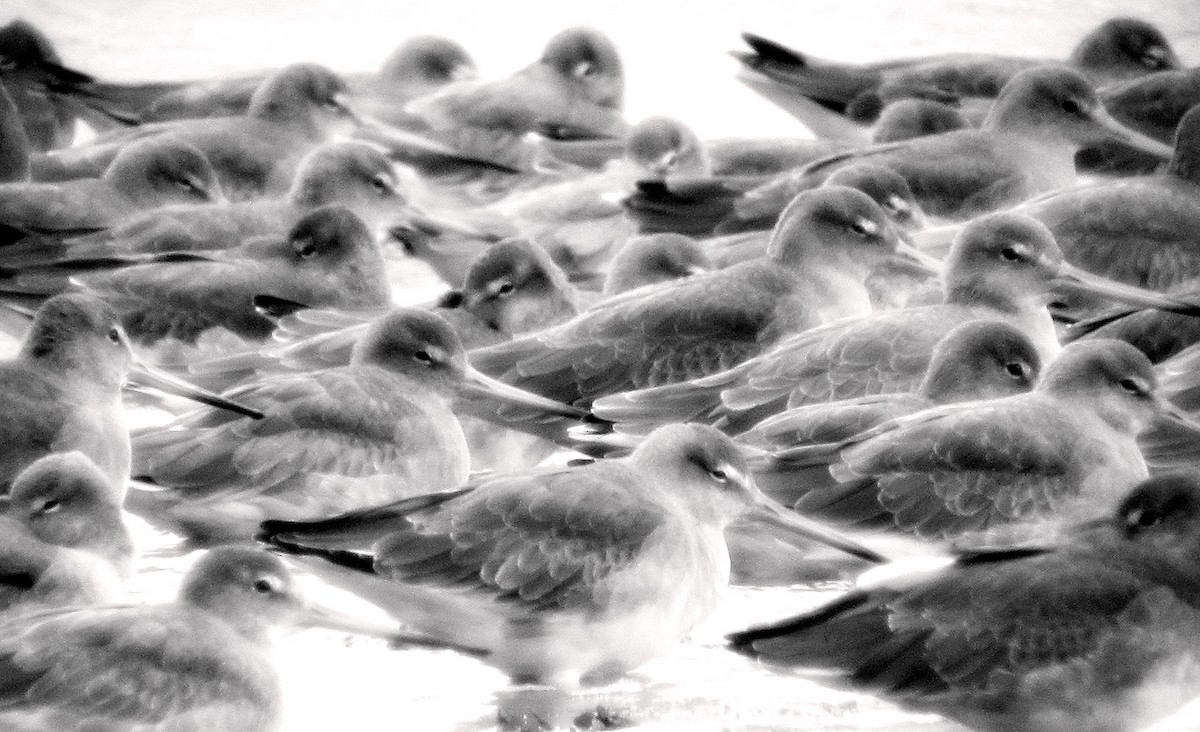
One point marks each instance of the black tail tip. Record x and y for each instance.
(769, 50)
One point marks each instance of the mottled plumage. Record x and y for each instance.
(1095, 630)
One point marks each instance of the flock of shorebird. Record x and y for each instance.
(920, 322)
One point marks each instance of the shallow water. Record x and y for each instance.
(676, 64)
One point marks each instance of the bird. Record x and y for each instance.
(148, 174)
(1153, 105)
(885, 187)
(1026, 146)
(293, 111)
(511, 275)
(334, 440)
(1120, 48)
(33, 75)
(1105, 229)
(647, 260)
(704, 207)
(1003, 267)
(1068, 449)
(566, 577)
(62, 392)
(417, 67)
(905, 119)
(1138, 230)
(327, 259)
(1093, 629)
(821, 252)
(65, 539)
(199, 662)
(355, 175)
(581, 220)
(576, 89)
(979, 360)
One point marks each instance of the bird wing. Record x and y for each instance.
(669, 334)
(182, 300)
(1110, 230)
(833, 421)
(549, 540)
(961, 467)
(338, 423)
(121, 667)
(882, 353)
(987, 624)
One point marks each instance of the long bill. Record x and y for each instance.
(1120, 133)
(910, 259)
(1073, 279)
(142, 376)
(768, 512)
(316, 615)
(479, 386)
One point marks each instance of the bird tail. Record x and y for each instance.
(357, 530)
(836, 635)
(640, 412)
(444, 619)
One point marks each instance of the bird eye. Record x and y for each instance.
(1010, 254)
(1132, 386)
(583, 68)
(1154, 58)
(898, 206)
(114, 335)
(1071, 106)
(264, 586)
(865, 228)
(718, 475)
(50, 506)
(189, 187)
(423, 357)
(505, 288)
(1015, 369)
(381, 185)
(306, 248)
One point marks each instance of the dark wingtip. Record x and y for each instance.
(276, 307)
(743, 641)
(1080, 328)
(339, 557)
(769, 50)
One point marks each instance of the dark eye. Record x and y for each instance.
(306, 248)
(1015, 369)
(1132, 386)
(263, 586)
(381, 185)
(505, 288)
(718, 475)
(1009, 254)
(423, 357)
(898, 206)
(864, 228)
(51, 506)
(114, 335)
(189, 186)
(1070, 106)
